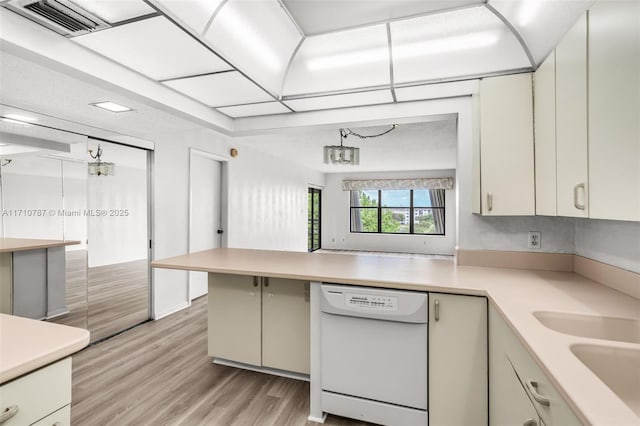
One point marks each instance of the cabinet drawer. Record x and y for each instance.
(62, 417)
(37, 394)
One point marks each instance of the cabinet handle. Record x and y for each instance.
(489, 201)
(8, 413)
(575, 196)
(436, 306)
(530, 422)
(266, 282)
(533, 388)
(255, 281)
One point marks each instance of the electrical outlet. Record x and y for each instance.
(535, 240)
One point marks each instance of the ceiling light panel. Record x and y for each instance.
(341, 101)
(115, 11)
(321, 16)
(154, 47)
(542, 24)
(340, 61)
(192, 13)
(222, 89)
(252, 110)
(436, 91)
(258, 37)
(459, 43)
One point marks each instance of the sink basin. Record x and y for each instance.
(618, 368)
(592, 326)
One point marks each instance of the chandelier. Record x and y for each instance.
(99, 167)
(349, 155)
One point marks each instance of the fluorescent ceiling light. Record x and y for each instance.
(412, 50)
(234, 23)
(528, 10)
(112, 106)
(20, 117)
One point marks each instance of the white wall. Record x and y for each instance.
(267, 205)
(614, 242)
(335, 219)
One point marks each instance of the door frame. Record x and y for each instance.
(223, 201)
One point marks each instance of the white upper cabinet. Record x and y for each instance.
(506, 146)
(571, 121)
(544, 110)
(614, 110)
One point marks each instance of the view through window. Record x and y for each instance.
(398, 211)
(314, 219)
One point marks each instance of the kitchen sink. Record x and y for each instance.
(618, 368)
(592, 326)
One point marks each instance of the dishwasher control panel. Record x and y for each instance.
(369, 301)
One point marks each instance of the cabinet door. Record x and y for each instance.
(285, 324)
(515, 408)
(614, 110)
(544, 87)
(571, 121)
(506, 145)
(458, 389)
(234, 318)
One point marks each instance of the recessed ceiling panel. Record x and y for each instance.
(438, 90)
(154, 47)
(251, 110)
(459, 43)
(341, 101)
(193, 13)
(115, 11)
(321, 16)
(340, 61)
(258, 37)
(222, 89)
(542, 24)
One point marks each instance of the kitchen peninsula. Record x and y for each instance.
(516, 297)
(32, 277)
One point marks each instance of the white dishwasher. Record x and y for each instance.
(374, 354)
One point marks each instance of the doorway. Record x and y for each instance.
(313, 239)
(205, 218)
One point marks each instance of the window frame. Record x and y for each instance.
(411, 208)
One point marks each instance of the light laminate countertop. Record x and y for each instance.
(22, 244)
(517, 294)
(26, 344)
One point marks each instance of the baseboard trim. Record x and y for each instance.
(172, 311)
(318, 419)
(619, 279)
(267, 370)
(559, 262)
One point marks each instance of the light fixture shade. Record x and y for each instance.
(340, 154)
(101, 168)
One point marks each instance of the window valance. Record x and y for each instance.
(419, 183)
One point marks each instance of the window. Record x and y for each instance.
(314, 220)
(398, 211)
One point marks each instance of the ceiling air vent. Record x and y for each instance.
(61, 16)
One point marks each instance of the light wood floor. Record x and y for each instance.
(105, 299)
(159, 373)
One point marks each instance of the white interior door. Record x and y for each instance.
(205, 179)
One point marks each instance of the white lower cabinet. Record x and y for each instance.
(262, 322)
(458, 389)
(44, 394)
(514, 376)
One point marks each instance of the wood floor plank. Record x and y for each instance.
(159, 373)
